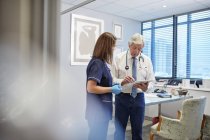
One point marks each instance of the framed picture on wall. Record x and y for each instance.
(84, 33)
(118, 31)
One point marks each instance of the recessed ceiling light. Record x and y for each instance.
(164, 6)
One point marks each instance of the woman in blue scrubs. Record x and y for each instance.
(99, 87)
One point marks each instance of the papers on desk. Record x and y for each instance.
(130, 85)
(164, 95)
(152, 95)
(156, 95)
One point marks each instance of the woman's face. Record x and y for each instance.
(135, 49)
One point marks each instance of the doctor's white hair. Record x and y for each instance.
(136, 39)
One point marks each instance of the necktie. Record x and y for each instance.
(134, 90)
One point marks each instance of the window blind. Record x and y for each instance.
(192, 49)
(193, 39)
(159, 45)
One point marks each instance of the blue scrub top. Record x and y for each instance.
(99, 106)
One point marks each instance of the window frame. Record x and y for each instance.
(174, 48)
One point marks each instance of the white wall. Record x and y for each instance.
(73, 78)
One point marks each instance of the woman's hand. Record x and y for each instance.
(116, 89)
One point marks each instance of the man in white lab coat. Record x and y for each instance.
(130, 66)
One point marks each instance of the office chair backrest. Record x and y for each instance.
(192, 115)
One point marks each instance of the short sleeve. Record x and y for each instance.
(95, 71)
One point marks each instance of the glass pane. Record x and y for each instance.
(147, 25)
(200, 15)
(182, 18)
(163, 22)
(163, 51)
(200, 49)
(147, 43)
(181, 51)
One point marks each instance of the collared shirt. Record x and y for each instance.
(144, 69)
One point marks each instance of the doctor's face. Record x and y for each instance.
(135, 49)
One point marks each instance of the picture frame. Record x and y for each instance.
(118, 31)
(84, 33)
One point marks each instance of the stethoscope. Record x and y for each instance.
(126, 66)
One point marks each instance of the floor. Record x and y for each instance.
(146, 131)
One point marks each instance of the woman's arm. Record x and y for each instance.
(92, 87)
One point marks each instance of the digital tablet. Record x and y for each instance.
(130, 85)
(142, 81)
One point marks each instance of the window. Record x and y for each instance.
(193, 45)
(159, 45)
(191, 49)
(182, 50)
(147, 39)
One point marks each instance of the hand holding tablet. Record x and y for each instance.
(130, 85)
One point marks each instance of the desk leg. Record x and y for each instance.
(159, 109)
(156, 119)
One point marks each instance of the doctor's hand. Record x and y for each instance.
(127, 79)
(116, 89)
(142, 86)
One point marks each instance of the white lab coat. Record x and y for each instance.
(144, 69)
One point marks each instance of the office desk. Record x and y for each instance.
(153, 99)
(195, 92)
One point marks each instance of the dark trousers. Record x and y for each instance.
(126, 106)
(97, 129)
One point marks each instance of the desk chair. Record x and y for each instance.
(205, 131)
(188, 124)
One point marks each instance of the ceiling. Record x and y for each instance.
(143, 10)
